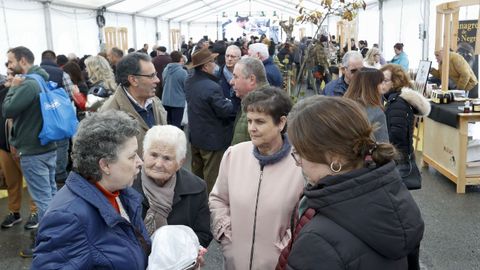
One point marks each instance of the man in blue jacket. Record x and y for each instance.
(260, 51)
(352, 61)
(225, 75)
(173, 96)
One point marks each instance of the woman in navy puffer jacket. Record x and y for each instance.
(95, 220)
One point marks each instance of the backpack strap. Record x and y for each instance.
(40, 81)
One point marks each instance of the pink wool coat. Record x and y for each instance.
(233, 201)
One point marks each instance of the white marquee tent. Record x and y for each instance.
(70, 25)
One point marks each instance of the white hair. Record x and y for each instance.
(72, 56)
(168, 135)
(260, 48)
(349, 56)
(234, 48)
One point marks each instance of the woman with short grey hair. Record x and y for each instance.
(172, 195)
(94, 221)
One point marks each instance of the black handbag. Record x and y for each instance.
(410, 173)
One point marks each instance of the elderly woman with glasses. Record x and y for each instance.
(94, 221)
(258, 186)
(356, 213)
(172, 195)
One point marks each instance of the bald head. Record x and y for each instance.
(439, 56)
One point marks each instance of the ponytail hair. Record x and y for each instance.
(374, 154)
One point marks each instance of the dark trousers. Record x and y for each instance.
(473, 93)
(174, 115)
(414, 259)
(61, 173)
(205, 164)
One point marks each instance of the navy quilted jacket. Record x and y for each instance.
(365, 219)
(81, 230)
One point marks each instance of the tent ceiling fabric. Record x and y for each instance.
(192, 10)
(189, 10)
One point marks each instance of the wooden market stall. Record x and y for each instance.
(447, 20)
(446, 128)
(346, 30)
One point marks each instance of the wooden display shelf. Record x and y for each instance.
(447, 30)
(445, 149)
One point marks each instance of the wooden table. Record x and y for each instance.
(445, 149)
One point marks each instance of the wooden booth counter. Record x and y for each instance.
(446, 141)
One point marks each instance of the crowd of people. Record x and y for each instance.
(312, 185)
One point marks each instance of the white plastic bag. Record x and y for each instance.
(174, 247)
(185, 116)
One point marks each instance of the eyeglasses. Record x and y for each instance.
(296, 157)
(353, 70)
(231, 56)
(151, 76)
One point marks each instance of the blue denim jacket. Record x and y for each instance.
(336, 87)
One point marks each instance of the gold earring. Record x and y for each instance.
(335, 170)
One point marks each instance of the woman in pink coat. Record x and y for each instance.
(258, 187)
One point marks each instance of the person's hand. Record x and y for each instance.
(17, 80)
(200, 260)
(75, 89)
(8, 83)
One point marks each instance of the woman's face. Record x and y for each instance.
(263, 131)
(387, 82)
(160, 162)
(376, 57)
(312, 171)
(397, 51)
(123, 171)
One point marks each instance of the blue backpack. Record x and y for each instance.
(59, 118)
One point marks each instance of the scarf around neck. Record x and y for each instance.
(160, 200)
(228, 75)
(272, 159)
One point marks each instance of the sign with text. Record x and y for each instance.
(467, 34)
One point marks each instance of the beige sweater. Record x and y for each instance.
(232, 204)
